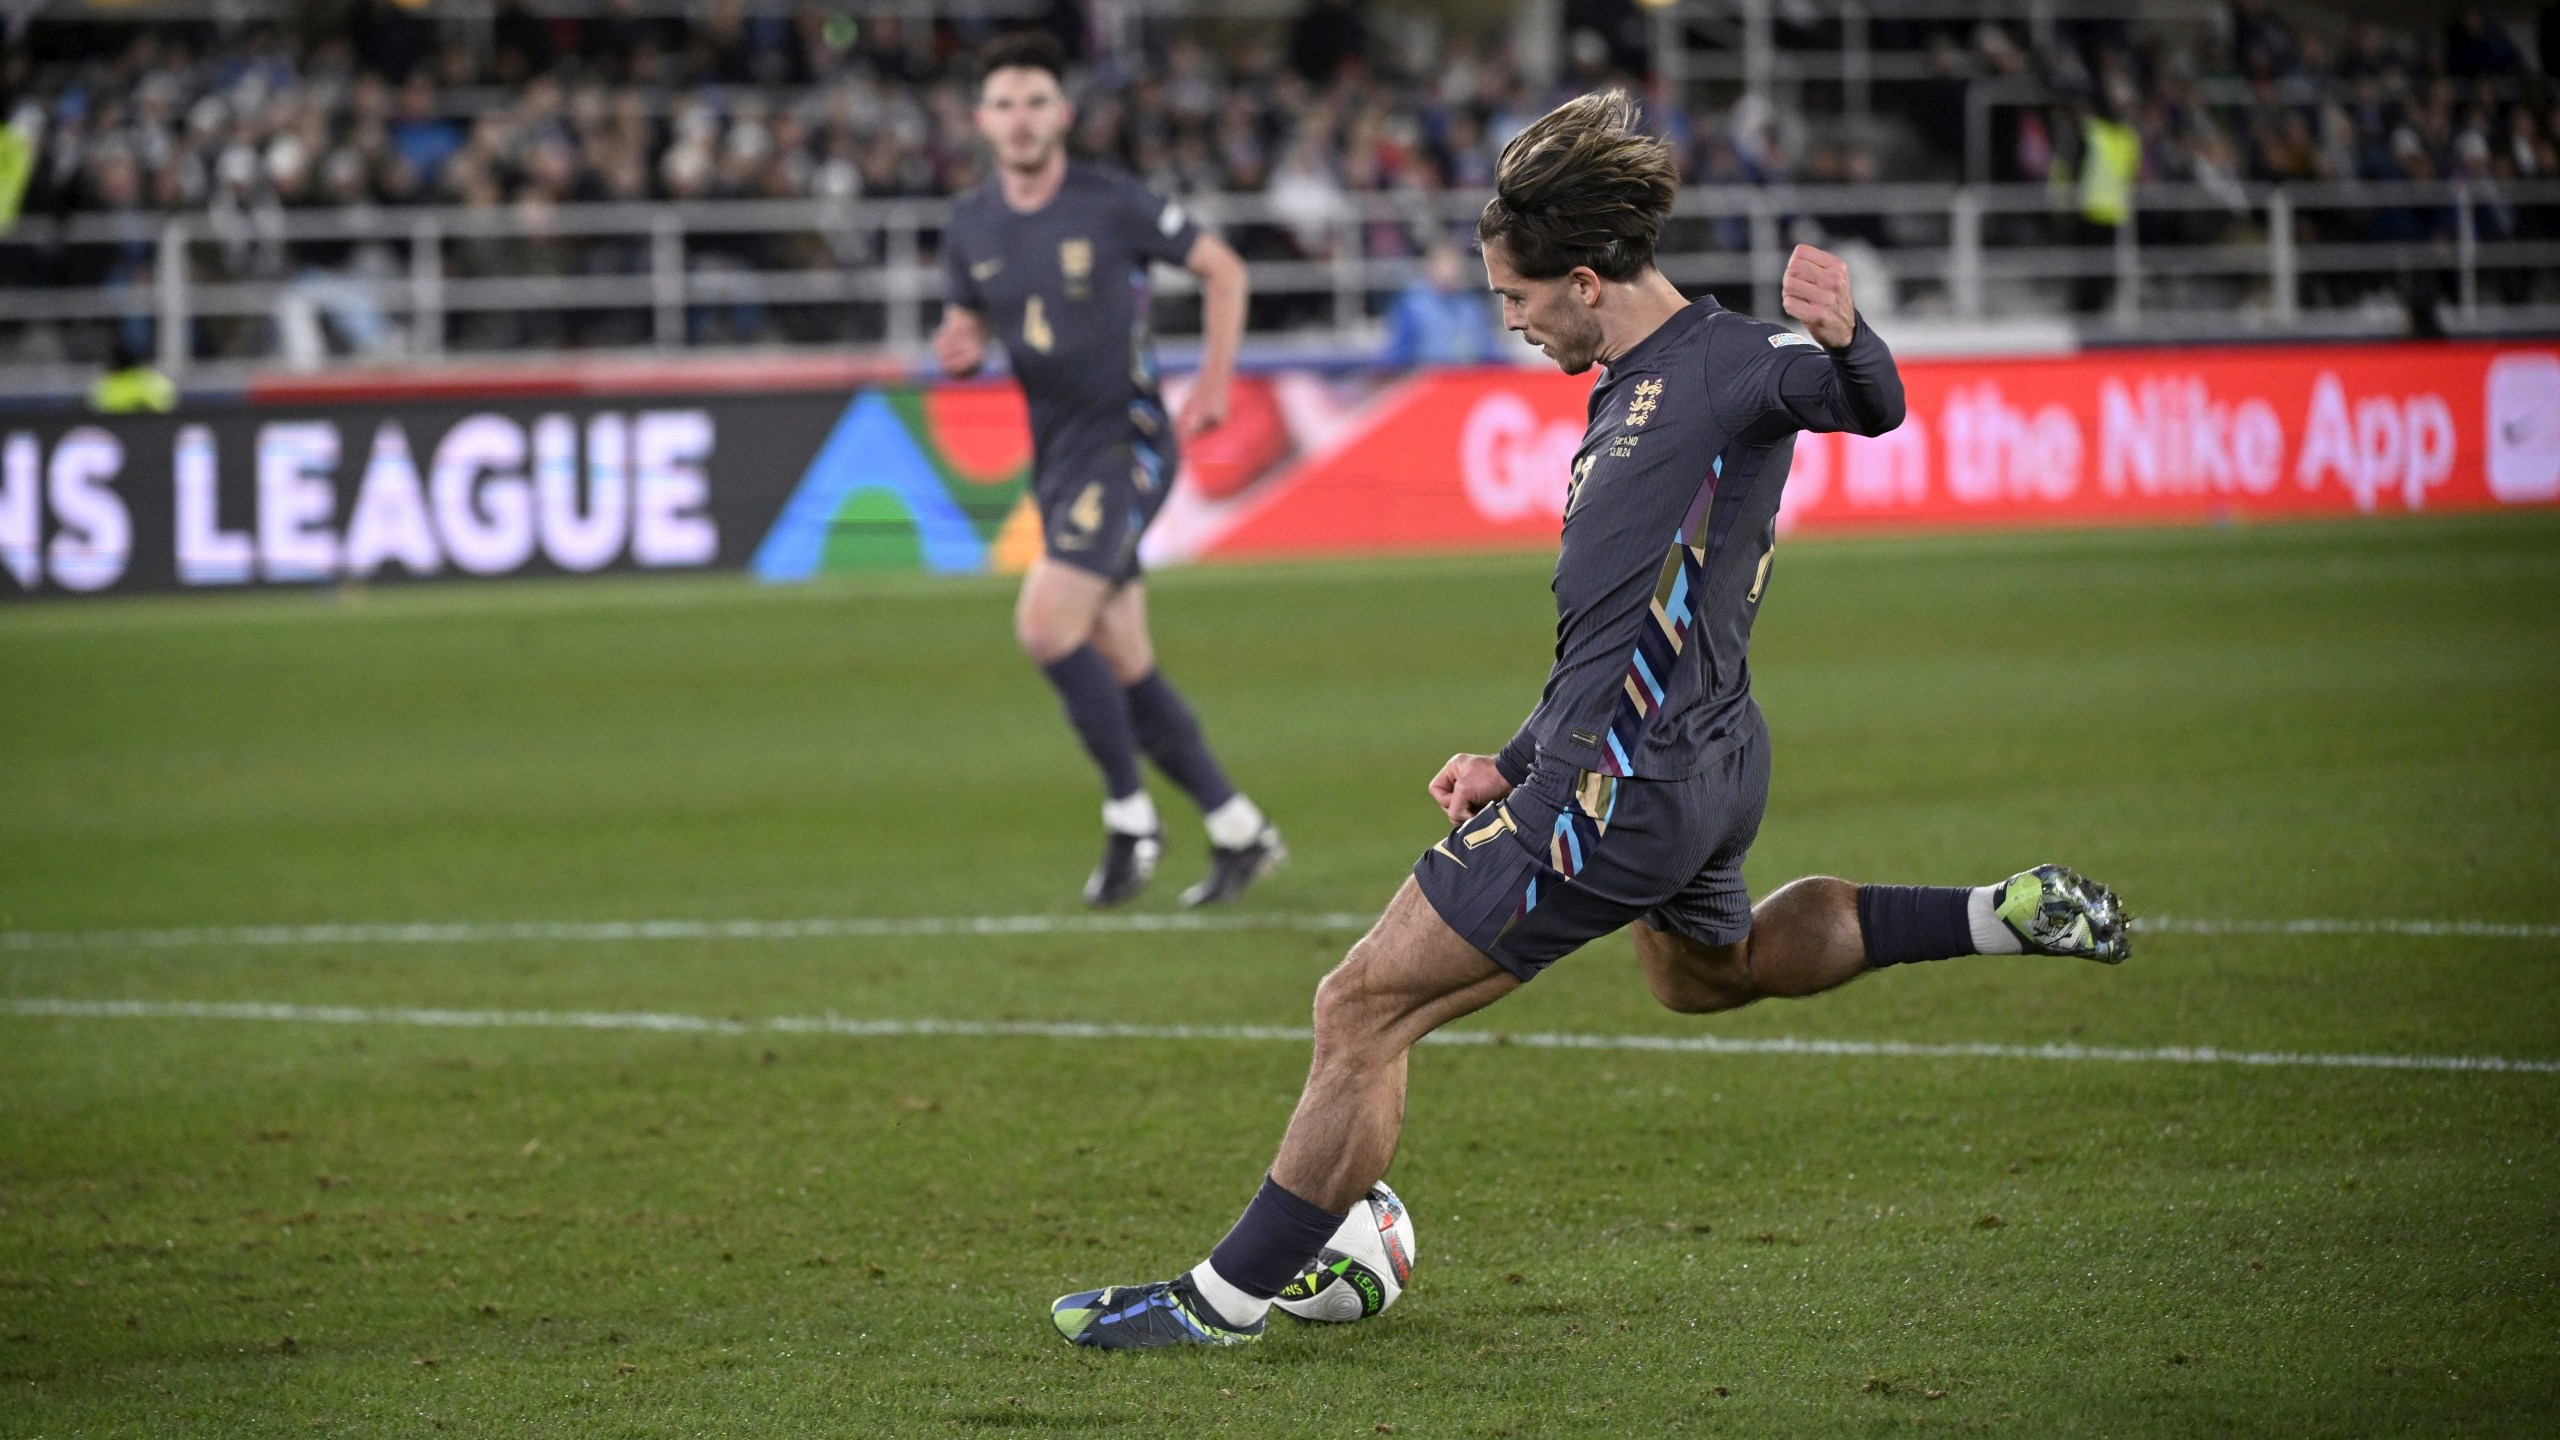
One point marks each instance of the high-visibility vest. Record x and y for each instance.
(141, 390)
(17, 166)
(2110, 158)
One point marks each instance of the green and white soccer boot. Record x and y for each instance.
(2056, 910)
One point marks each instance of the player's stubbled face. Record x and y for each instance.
(1024, 116)
(1549, 314)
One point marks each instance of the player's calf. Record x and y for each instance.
(1804, 940)
(1688, 980)
(1408, 976)
(1243, 845)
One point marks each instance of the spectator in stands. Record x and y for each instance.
(2262, 44)
(1623, 30)
(19, 137)
(745, 102)
(2109, 160)
(1184, 118)
(1328, 37)
(422, 138)
(1441, 317)
(132, 385)
(520, 43)
(2475, 47)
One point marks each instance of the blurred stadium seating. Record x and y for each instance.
(236, 186)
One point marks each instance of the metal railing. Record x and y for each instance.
(220, 298)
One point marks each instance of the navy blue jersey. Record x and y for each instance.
(1668, 532)
(1065, 289)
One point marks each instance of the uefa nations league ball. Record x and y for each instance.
(1363, 1267)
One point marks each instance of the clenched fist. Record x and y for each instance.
(1466, 785)
(1205, 408)
(1817, 293)
(961, 344)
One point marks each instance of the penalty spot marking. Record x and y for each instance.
(898, 927)
(677, 1023)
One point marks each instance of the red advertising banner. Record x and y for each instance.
(1478, 458)
(792, 484)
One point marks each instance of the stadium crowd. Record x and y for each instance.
(388, 110)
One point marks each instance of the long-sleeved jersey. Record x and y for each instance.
(1669, 528)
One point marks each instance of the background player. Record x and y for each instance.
(1633, 792)
(1051, 256)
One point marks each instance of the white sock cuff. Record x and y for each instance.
(1991, 934)
(1233, 1305)
(1234, 824)
(1132, 814)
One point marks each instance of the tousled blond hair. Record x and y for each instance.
(1581, 186)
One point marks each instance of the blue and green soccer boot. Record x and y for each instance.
(2055, 910)
(1145, 1317)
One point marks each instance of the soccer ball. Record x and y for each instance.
(1363, 1268)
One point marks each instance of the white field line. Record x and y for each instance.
(664, 1022)
(2475, 929)
(895, 927)
(838, 928)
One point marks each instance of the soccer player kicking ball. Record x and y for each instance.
(1052, 256)
(1634, 790)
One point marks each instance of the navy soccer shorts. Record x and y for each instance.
(1095, 508)
(1569, 858)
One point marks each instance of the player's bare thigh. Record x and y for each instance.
(1410, 975)
(1120, 633)
(1060, 607)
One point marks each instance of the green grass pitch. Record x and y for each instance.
(217, 1226)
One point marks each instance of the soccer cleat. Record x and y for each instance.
(1128, 863)
(2055, 910)
(1144, 1317)
(1231, 870)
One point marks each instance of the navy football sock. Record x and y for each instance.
(1278, 1236)
(1902, 923)
(1170, 734)
(1099, 710)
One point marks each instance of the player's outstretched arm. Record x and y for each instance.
(1222, 295)
(1860, 389)
(960, 344)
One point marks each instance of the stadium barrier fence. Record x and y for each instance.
(225, 297)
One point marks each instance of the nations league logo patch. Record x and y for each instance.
(1075, 264)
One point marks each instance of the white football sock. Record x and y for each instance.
(1991, 934)
(1233, 1305)
(1132, 814)
(1234, 825)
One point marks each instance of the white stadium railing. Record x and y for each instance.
(2224, 262)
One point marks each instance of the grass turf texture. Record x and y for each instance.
(540, 1232)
